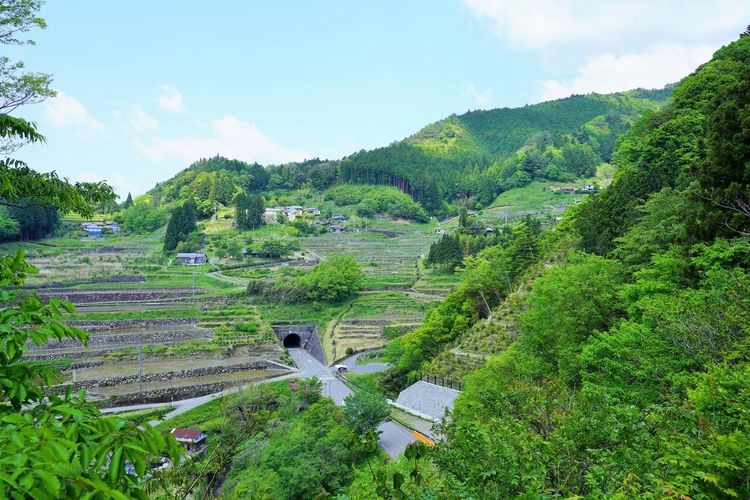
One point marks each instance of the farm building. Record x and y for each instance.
(98, 228)
(193, 440)
(337, 229)
(192, 259)
(338, 217)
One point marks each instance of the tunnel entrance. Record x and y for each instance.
(300, 337)
(292, 340)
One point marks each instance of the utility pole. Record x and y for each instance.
(193, 288)
(140, 370)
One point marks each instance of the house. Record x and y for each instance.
(440, 230)
(588, 187)
(568, 189)
(337, 229)
(338, 218)
(92, 228)
(192, 259)
(489, 230)
(193, 440)
(293, 211)
(270, 214)
(312, 211)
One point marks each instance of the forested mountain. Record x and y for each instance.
(622, 338)
(474, 156)
(482, 153)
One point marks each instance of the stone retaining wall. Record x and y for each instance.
(119, 296)
(97, 326)
(166, 376)
(172, 394)
(125, 339)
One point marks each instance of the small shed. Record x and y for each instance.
(193, 440)
(440, 230)
(192, 258)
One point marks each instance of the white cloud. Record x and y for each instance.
(661, 64)
(121, 183)
(229, 137)
(139, 121)
(171, 99)
(481, 98)
(67, 112)
(544, 24)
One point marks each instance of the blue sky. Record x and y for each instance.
(146, 88)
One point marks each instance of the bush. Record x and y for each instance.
(333, 279)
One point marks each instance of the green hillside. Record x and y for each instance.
(480, 154)
(468, 159)
(609, 358)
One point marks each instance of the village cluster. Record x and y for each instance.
(335, 223)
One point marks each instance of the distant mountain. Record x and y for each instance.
(474, 156)
(482, 153)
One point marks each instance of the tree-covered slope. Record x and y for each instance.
(623, 374)
(474, 156)
(482, 153)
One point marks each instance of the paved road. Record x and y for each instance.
(353, 367)
(184, 405)
(393, 438)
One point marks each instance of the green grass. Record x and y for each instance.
(147, 415)
(188, 312)
(318, 313)
(208, 416)
(366, 381)
(211, 416)
(534, 196)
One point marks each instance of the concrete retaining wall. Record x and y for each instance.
(309, 339)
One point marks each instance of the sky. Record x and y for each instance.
(146, 88)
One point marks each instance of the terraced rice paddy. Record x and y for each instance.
(165, 329)
(388, 263)
(361, 325)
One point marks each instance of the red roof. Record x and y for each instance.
(192, 434)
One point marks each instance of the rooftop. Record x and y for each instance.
(182, 433)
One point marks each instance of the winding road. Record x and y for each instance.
(393, 437)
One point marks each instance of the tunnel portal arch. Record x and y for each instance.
(300, 336)
(292, 340)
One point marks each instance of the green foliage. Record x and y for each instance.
(366, 411)
(665, 150)
(213, 180)
(180, 225)
(372, 200)
(334, 279)
(482, 153)
(248, 211)
(307, 455)
(566, 305)
(628, 376)
(141, 218)
(34, 221)
(9, 227)
(128, 202)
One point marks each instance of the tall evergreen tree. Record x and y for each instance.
(248, 211)
(180, 225)
(128, 202)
